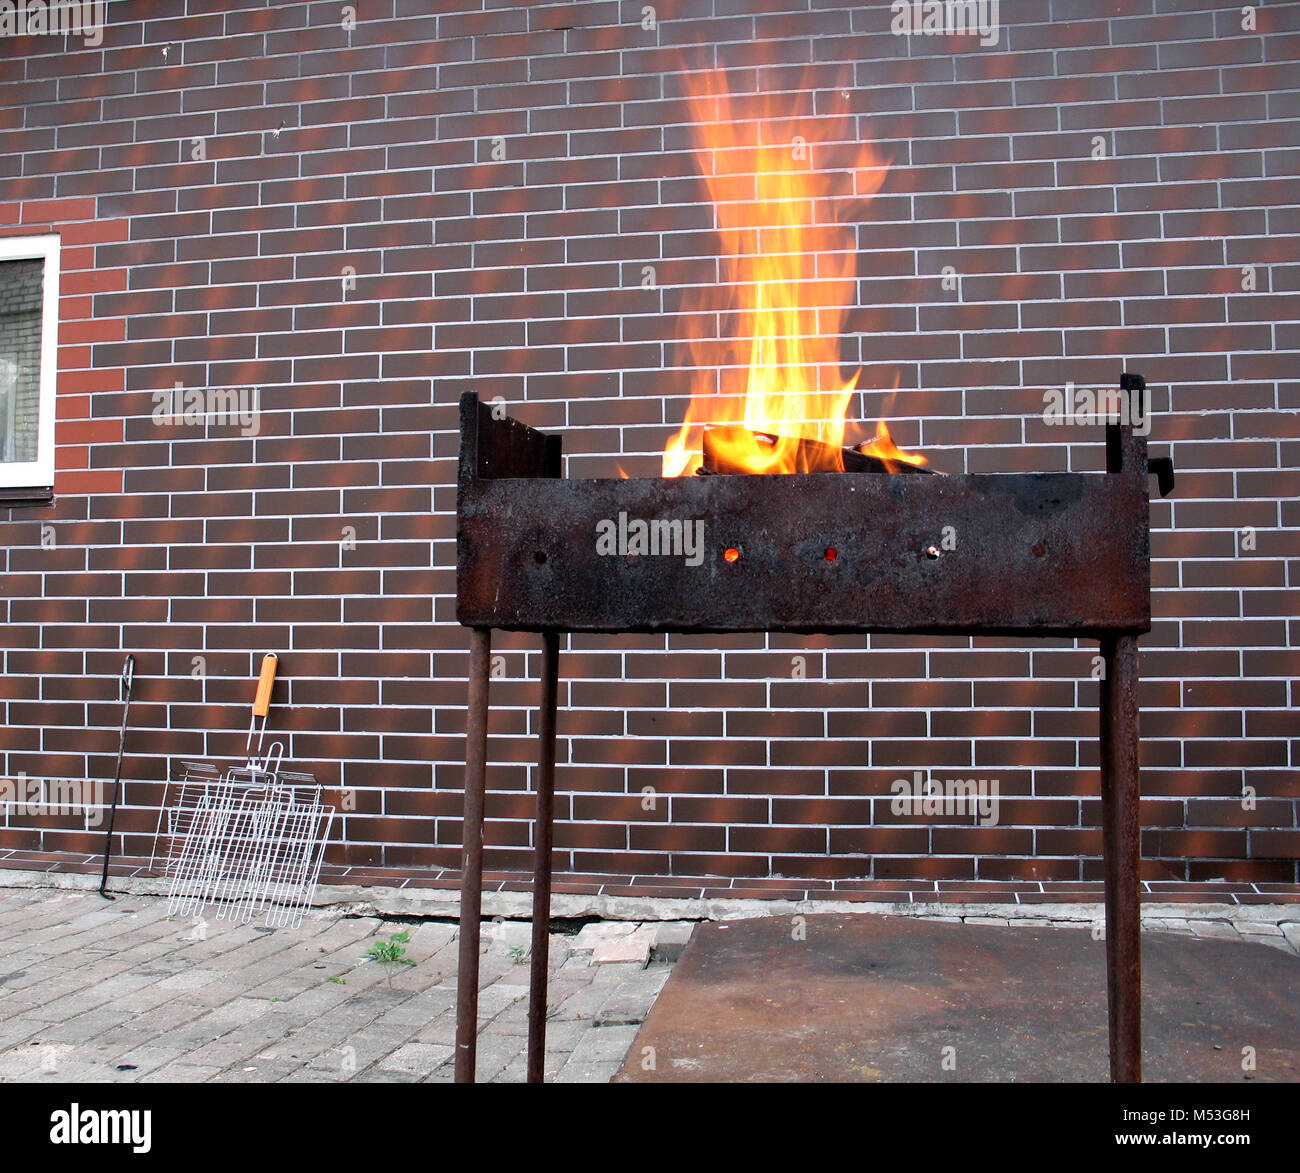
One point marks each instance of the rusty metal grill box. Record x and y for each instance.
(1029, 553)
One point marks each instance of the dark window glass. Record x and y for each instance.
(20, 357)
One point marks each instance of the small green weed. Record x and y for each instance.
(390, 953)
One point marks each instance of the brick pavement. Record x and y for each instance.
(92, 991)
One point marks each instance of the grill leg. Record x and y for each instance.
(543, 837)
(471, 883)
(1120, 791)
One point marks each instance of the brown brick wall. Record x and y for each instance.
(499, 176)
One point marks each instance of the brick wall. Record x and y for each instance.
(361, 223)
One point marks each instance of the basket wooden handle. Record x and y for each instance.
(265, 682)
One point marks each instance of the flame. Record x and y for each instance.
(884, 448)
(789, 276)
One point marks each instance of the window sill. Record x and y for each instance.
(17, 498)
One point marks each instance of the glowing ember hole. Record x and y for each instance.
(731, 554)
(831, 553)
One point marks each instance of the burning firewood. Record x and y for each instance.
(728, 450)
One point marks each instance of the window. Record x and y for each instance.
(29, 335)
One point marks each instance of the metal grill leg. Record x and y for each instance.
(543, 837)
(1120, 792)
(471, 883)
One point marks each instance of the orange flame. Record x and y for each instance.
(788, 278)
(885, 449)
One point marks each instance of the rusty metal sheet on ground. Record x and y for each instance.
(869, 998)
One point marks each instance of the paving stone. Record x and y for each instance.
(1257, 929)
(496, 1051)
(630, 1001)
(672, 931)
(29, 1061)
(376, 1076)
(146, 1059)
(598, 1055)
(421, 1009)
(594, 934)
(583, 1005)
(633, 947)
(516, 1071)
(17, 1031)
(671, 939)
(417, 1058)
(513, 1017)
(1275, 943)
(611, 973)
(1097, 923)
(505, 935)
(173, 1013)
(83, 1028)
(562, 1036)
(441, 1030)
(1213, 928)
(497, 997)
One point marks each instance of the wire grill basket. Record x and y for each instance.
(249, 841)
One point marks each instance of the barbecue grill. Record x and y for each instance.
(1026, 554)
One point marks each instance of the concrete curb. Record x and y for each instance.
(358, 900)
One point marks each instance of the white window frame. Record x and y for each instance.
(38, 475)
